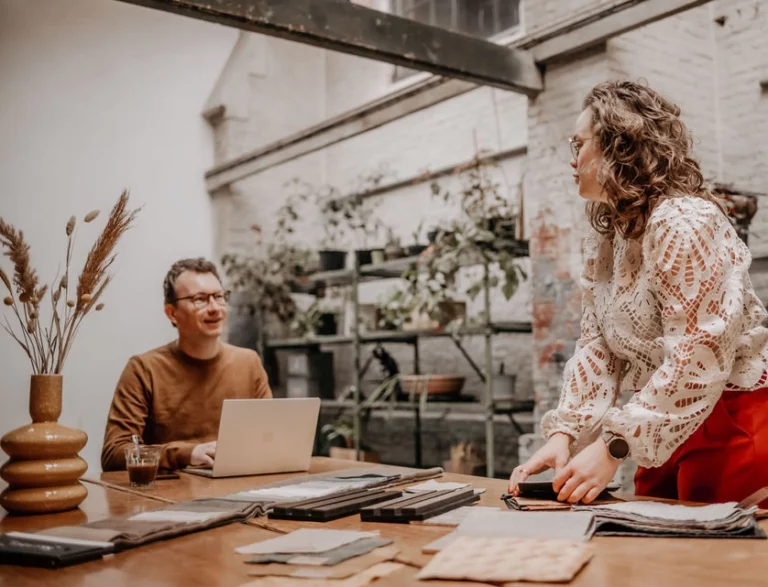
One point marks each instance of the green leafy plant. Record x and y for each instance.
(270, 273)
(306, 322)
(349, 217)
(483, 233)
(395, 309)
(417, 233)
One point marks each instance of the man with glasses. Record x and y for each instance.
(172, 396)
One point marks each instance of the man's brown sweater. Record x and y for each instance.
(168, 398)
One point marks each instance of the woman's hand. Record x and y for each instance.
(553, 455)
(588, 473)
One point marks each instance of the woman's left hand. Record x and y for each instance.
(588, 473)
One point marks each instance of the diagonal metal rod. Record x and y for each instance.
(340, 25)
(469, 359)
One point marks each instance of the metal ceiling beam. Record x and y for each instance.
(432, 91)
(341, 26)
(598, 31)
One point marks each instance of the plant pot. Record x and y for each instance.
(432, 384)
(331, 260)
(338, 452)
(393, 252)
(432, 235)
(44, 469)
(327, 325)
(448, 310)
(504, 387)
(415, 250)
(363, 257)
(378, 256)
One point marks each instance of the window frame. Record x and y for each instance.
(397, 8)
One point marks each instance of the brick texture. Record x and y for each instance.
(711, 70)
(742, 62)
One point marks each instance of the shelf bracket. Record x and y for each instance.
(516, 425)
(469, 359)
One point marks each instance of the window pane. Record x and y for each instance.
(480, 18)
(420, 10)
(485, 18)
(444, 14)
(509, 14)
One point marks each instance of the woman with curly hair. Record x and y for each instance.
(669, 315)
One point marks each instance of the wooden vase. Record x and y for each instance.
(44, 469)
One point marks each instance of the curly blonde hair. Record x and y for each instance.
(646, 156)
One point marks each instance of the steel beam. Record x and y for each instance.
(341, 26)
(579, 33)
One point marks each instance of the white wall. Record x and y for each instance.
(95, 97)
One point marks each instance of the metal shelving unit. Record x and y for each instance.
(488, 329)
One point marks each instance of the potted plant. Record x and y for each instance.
(485, 233)
(44, 465)
(416, 249)
(393, 249)
(395, 310)
(336, 440)
(268, 276)
(314, 321)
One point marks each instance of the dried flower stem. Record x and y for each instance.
(9, 330)
(48, 348)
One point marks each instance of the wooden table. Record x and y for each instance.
(208, 558)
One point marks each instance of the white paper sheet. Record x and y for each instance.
(433, 485)
(457, 516)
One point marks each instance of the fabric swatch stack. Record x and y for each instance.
(321, 555)
(651, 518)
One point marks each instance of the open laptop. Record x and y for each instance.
(263, 436)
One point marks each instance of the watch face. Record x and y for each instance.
(618, 448)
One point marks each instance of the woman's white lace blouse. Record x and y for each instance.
(672, 316)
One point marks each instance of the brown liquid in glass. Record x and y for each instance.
(143, 474)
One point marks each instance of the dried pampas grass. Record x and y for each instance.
(47, 348)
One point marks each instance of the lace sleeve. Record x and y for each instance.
(697, 266)
(591, 376)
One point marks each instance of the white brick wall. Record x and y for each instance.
(538, 14)
(556, 213)
(283, 94)
(712, 72)
(742, 56)
(676, 57)
(254, 201)
(437, 137)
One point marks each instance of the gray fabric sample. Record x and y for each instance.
(328, 558)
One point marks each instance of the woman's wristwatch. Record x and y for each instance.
(618, 448)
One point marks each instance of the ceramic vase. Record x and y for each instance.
(44, 468)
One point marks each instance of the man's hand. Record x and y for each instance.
(585, 477)
(553, 455)
(203, 454)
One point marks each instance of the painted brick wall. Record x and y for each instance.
(439, 137)
(742, 59)
(558, 224)
(712, 71)
(538, 14)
